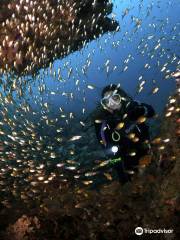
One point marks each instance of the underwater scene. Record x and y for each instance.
(89, 119)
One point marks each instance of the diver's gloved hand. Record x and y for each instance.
(136, 113)
(137, 110)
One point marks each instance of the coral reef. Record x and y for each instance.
(34, 33)
(22, 227)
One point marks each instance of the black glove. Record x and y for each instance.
(137, 110)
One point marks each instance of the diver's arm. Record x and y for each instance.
(136, 110)
(149, 110)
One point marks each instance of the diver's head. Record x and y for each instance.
(111, 100)
(113, 97)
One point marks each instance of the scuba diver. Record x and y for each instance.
(121, 129)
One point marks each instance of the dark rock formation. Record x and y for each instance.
(35, 33)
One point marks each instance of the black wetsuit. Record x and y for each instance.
(129, 150)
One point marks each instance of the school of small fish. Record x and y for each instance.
(36, 33)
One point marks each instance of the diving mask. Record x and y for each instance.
(112, 101)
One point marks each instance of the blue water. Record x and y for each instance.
(115, 47)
